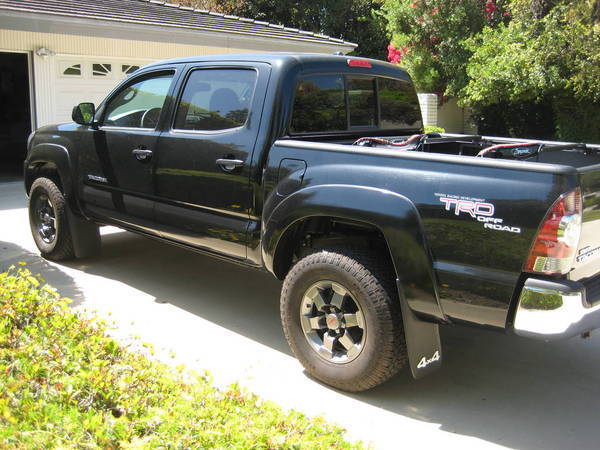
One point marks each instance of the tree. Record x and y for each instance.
(428, 37)
(525, 67)
(548, 55)
(357, 21)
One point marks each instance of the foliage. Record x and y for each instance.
(65, 383)
(531, 58)
(525, 67)
(433, 129)
(428, 38)
(352, 20)
(526, 119)
(549, 54)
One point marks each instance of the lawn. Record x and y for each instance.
(64, 382)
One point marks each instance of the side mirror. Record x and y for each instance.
(83, 113)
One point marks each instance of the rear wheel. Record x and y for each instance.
(48, 220)
(342, 320)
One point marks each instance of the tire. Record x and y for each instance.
(48, 220)
(366, 286)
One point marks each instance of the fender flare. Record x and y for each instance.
(57, 157)
(393, 214)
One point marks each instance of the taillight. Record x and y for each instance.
(556, 242)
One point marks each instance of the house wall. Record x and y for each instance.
(151, 44)
(450, 116)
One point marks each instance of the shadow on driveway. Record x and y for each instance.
(502, 389)
(11, 253)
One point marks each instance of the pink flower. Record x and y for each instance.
(434, 39)
(435, 10)
(506, 14)
(414, 5)
(395, 55)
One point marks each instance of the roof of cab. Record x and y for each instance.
(273, 58)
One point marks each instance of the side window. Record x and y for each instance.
(215, 99)
(399, 104)
(320, 104)
(139, 104)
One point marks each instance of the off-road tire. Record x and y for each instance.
(370, 280)
(61, 247)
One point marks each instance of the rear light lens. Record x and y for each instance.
(556, 242)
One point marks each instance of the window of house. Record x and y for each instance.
(128, 69)
(139, 104)
(215, 99)
(101, 70)
(72, 70)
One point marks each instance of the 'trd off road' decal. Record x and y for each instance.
(478, 209)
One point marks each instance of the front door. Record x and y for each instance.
(204, 196)
(118, 174)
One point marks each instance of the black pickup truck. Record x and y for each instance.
(316, 168)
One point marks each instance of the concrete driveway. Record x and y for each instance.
(494, 390)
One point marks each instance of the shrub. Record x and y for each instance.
(433, 129)
(65, 383)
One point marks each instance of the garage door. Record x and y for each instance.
(87, 80)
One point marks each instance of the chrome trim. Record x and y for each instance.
(207, 132)
(552, 310)
(112, 128)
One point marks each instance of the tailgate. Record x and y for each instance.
(587, 259)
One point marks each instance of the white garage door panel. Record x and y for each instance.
(80, 80)
(67, 98)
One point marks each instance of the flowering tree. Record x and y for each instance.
(428, 37)
(549, 56)
(525, 67)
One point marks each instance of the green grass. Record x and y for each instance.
(64, 383)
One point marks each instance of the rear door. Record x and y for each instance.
(204, 197)
(118, 171)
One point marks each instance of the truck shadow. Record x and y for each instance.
(501, 389)
(12, 254)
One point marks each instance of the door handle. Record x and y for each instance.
(229, 164)
(142, 154)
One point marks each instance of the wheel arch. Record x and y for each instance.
(392, 215)
(51, 161)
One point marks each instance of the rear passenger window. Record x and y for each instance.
(320, 104)
(215, 99)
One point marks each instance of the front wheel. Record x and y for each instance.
(48, 220)
(342, 320)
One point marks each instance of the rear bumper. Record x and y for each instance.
(552, 310)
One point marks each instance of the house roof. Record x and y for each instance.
(160, 13)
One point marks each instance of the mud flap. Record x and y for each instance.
(422, 340)
(85, 235)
